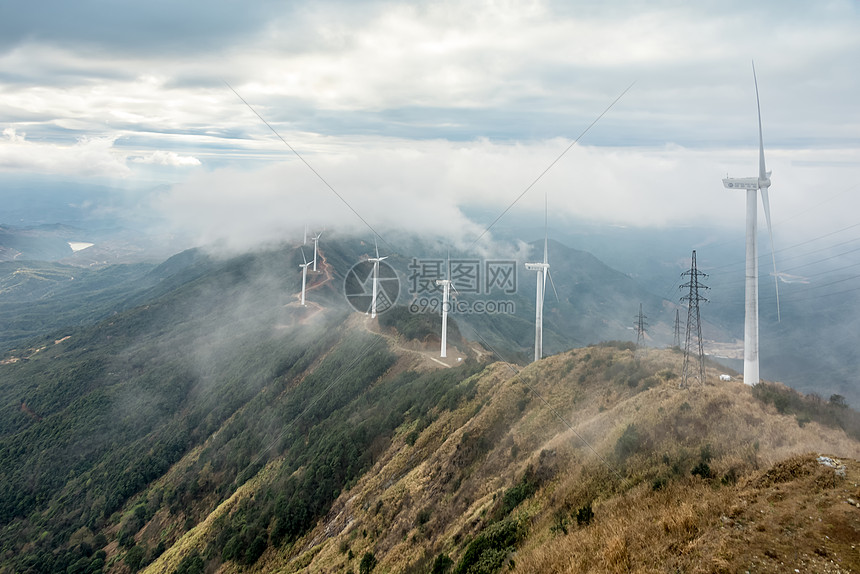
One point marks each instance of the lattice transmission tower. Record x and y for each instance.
(640, 326)
(694, 325)
(677, 340)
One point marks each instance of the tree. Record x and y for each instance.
(134, 557)
(838, 400)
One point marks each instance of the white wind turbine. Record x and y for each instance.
(316, 239)
(446, 285)
(752, 185)
(304, 267)
(376, 261)
(543, 272)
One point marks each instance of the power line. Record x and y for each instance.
(824, 295)
(816, 261)
(736, 263)
(315, 172)
(795, 216)
(555, 161)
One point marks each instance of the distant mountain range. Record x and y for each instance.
(811, 349)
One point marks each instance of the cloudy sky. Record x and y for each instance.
(418, 113)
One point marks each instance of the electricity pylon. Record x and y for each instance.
(677, 341)
(640, 326)
(694, 325)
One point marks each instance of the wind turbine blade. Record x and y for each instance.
(766, 202)
(376, 244)
(448, 276)
(762, 170)
(557, 298)
(303, 257)
(545, 228)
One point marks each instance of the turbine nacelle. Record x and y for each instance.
(747, 182)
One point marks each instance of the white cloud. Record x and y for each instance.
(168, 158)
(87, 157)
(426, 187)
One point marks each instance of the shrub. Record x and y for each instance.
(412, 437)
(629, 442)
(513, 496)
(367, 564)
(703, 470)
(559, 522)
(442, 564)
(584, 515)
(191, 564)
(487, 552)
(423, 517)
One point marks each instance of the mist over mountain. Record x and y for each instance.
(211, 422)
(810, 348)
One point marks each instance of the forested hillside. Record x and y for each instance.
(211, 423)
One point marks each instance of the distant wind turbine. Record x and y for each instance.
(376, 261)
(304, 267)
(316, 239)
(752, 185)
(446, 285)
(543, 272)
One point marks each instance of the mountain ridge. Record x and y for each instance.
(218, 425)
(388, 501)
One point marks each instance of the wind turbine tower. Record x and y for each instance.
(375, 261)
(304, 267)
(752, 185)
(542, 272)
(316, 242)
(446, 285)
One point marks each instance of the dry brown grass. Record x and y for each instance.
(637, 531)
(794, 515)
(460, 466)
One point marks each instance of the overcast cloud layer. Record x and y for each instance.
(413, 112)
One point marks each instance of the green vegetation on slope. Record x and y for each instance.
(89, 422)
